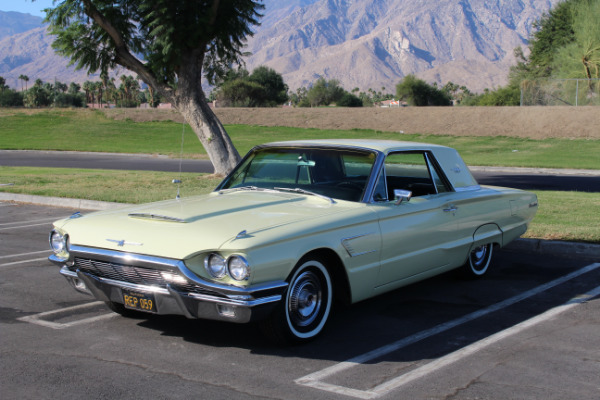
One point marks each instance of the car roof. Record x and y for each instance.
(451, 162)
(384, 146)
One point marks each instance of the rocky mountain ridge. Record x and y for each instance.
(374, 43)
(361, 43)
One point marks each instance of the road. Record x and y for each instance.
(520, 179)
(528, 330)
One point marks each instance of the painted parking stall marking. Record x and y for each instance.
(10, 264)
(316, 379)
(25, 254)
(70, 316)
(5, 226)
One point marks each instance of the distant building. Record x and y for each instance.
(393, 103)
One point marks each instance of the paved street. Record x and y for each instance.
(529, 330)
(530, 179)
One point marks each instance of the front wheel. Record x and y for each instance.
(479, 260)
(306, 306)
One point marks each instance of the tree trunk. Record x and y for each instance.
(211, 133)
(190, 101)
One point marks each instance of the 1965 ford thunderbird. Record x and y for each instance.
(296, 227)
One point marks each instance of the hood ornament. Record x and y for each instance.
(122, 243)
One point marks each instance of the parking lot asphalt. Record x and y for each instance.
(528, 330)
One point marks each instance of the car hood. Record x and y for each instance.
(180, 228)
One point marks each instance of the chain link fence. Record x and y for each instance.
(560, 92)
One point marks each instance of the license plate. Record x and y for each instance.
(139, 301)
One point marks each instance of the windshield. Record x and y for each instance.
(337, 173)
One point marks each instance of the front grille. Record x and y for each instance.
(120, 272)
(135, 275)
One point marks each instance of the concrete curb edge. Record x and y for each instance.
(92, 205)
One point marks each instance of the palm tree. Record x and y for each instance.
(88, 88)
(98, 86)
(61, 87)
(74, 88)
(23, 78)
(124, 86)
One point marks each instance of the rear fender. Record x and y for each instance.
(488, 233)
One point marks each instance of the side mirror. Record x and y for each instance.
(402, 195)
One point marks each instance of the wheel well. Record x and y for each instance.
(342, 290)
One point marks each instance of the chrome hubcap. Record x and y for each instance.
(305, 299)
(480, 258)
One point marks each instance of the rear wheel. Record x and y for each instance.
(479, 260)
(305, 309)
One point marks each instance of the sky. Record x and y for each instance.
(26, 6)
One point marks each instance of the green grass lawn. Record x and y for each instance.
(89, 130)
(103, 185)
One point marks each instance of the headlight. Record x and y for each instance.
(238, 268)
(235, 266)
(216, 266)
(58, 242)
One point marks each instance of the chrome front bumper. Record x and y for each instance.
(86, 271)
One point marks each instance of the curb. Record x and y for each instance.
(91, 205)
(538, 246)
(555, 247)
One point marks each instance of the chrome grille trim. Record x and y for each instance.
(133, 275)
(195, 284)
(119, 272)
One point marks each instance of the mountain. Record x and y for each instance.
(361, 43)
(374, 43)
(12, 23)
(30, 53)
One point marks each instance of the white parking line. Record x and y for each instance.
(49, 219)
(26, 254)
(315, 380)
(37, 318)
(23, 262)
(24, 226)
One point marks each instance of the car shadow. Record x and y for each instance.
(408, 311)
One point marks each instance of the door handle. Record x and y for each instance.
(451, 208)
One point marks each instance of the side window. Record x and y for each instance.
(440, 184)
(411, 170)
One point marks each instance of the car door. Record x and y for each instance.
(417, 235)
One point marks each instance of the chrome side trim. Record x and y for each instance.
(346, 243)
(467, 188)
(156, 217)
(123, 257)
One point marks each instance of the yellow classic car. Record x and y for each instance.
(294, 229)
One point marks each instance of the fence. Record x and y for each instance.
(560, 92)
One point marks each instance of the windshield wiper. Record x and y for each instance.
(308, 192)
(233, 189)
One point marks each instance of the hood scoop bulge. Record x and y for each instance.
(156, 217)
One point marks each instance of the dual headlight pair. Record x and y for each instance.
(235, 266)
